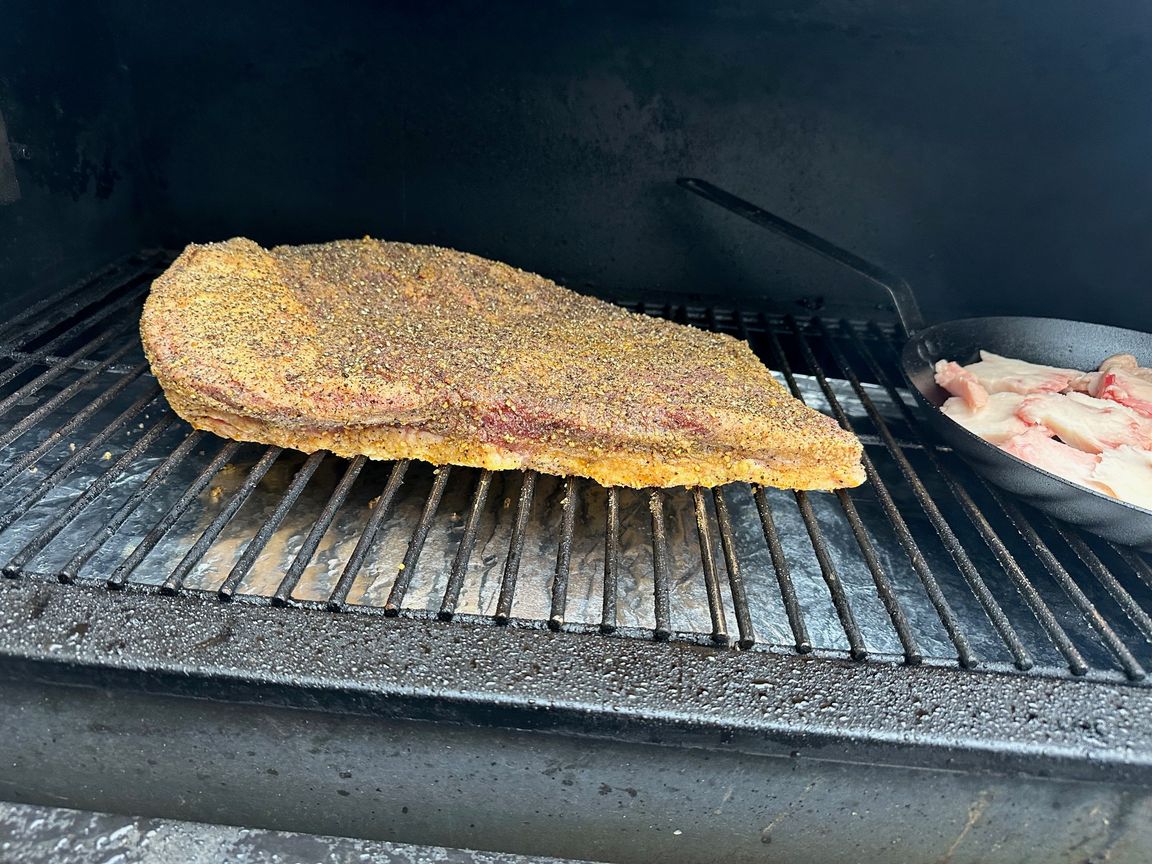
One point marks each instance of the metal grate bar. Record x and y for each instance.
(46, 534)
(776, 550)
(856, 646)
(416, 542)
(731, 563)
(735, 576)
(609, 602)
(383, 507)
(884, 589)
(86, 285)
(70, 570)
(783, 573)
(30, 457)
(1011, 567)
(920, 566)
(192, 557)
(467, 543)
(120, 575)
(15, 511)
(54, 371)
(1016, 573)
(1114, 643)
(1133, 559)
(63, 396)
(515, 548)
(912, 653)
(1126, 601)
(904, 536)
(98, 290)
(46, 354)
(268, 527)
(660, 566)
(559, 600)
(875, 440)
(1022, 659)
(708, 560)
(317, 531)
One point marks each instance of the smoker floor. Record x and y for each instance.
(100, 483)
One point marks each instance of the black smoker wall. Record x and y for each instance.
(994, 153)
(67, 148)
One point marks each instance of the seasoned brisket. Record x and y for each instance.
(397, 351)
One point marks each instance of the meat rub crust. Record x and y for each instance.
(389, 350)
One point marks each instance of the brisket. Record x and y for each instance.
(391, 350)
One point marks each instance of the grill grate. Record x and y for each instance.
(925, 564)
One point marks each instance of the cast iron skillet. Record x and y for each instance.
(1051, 341)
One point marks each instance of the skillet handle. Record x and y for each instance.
(903, 298)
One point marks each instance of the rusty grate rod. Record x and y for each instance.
(97, 487)
(80, 455)
(120, 575)
(71, 570)
(1022, 659)
(660, 566)
(416, 543)
(735, 575)
(515, 548)
(559, 599)
(195, 555)
(260, 539)
(459, 567)
(339, 595)
(609, 610)
(708, 560)
(317, 531)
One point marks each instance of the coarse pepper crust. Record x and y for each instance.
(390, 350)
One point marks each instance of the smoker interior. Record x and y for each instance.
(922, 668)
(115, 512)
(103, 484)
